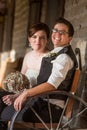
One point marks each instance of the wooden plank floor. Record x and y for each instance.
(28, 126)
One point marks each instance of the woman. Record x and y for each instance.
(57, 70)
(38, 37)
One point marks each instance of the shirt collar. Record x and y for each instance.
(57, 49)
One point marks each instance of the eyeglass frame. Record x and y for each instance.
(61, 32)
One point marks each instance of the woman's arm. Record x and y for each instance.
(24, 65)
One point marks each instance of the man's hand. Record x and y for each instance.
(19, 101)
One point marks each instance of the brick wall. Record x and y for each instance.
(76, 12)
(20, 27)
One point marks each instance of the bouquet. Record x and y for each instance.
(15, 82)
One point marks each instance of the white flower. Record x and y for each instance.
(51, 54)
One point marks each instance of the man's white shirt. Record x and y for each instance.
(61, 65)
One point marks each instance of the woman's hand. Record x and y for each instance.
(18, 103)
(9, 99)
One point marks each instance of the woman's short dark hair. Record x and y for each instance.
(67, 23)
(38, 27)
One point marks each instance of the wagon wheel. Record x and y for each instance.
(59, 126)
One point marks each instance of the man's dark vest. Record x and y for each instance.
(46, 68)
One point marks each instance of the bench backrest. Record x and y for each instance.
(73, 91)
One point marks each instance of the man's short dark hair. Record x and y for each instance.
(67, 23)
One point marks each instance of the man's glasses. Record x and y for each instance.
(61, 32)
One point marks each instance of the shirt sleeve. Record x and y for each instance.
(61, 65)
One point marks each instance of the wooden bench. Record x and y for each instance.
(67, 111)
